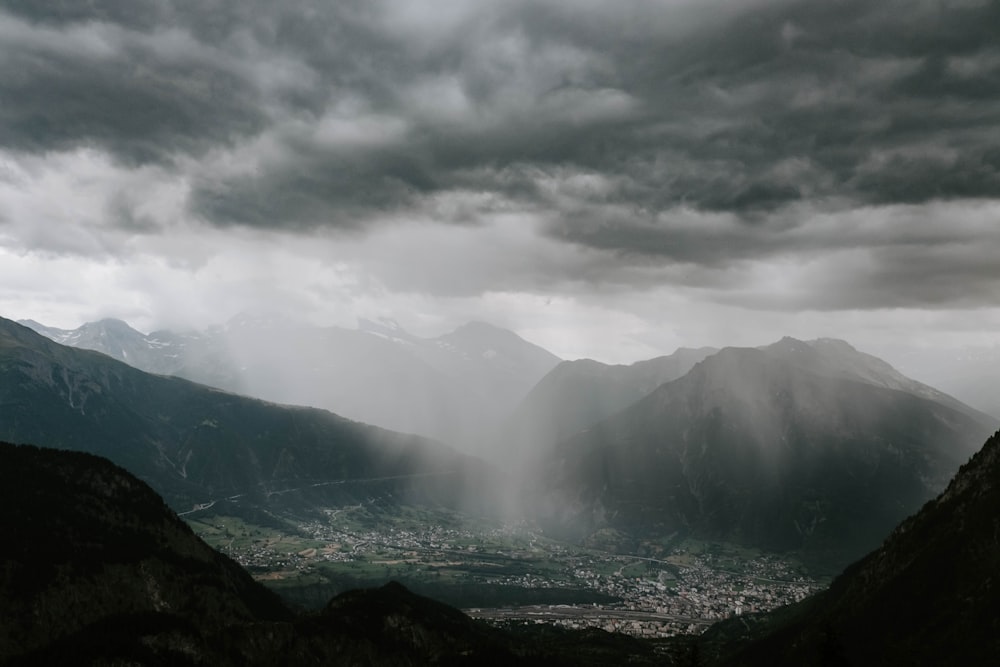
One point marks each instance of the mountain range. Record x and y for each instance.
(809, 446)
(196, 444)
(451, 388)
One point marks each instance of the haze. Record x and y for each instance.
(609, 180)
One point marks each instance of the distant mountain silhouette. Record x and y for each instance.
(96, 570)
(796, 446)
(195, 444)
(454, 387)
(578, 394)
(930, 595)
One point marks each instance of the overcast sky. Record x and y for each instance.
(608, 179)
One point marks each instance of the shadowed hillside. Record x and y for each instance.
(95, 562)
(97, 570)
(930, 595)
(765, 448)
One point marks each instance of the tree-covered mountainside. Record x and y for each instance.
(930, 595)
(764, 448)
(97, 570)
(195, 444)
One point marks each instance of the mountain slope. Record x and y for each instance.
(499, 362)
(752, 447)
(930, 595)
(196, 444)
(836, 358)
(454, 387)
(88, 543)
(98, 571)
(578, 394)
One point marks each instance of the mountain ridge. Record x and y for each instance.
(447, 388)
(838, 358)
(577, 394)
(751, 447)
(195, 443)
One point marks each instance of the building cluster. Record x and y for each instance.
(679, 593)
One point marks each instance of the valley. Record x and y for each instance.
(479, 334)
(651, 522)
(511, 573)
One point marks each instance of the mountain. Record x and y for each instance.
(778, 448)
(110, 336)
(196, 356)
(454, 387)
(838, 359)
(581, 393)
(94, 561)
(196, 444)
(499, 362)
(97, 570)
(929, 595)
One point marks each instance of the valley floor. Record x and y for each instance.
(511, 573)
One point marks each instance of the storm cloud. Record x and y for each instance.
(779, 154)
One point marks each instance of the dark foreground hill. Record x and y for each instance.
(788, 447)
(96, 570)
(93, 557)
(195, 444)
(930, 595)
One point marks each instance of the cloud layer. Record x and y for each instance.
(776, 156)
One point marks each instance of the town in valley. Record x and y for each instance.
(509, 573)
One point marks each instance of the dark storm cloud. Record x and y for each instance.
(143, 98)
(610, 122)
(316, 190)
(908, 277)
